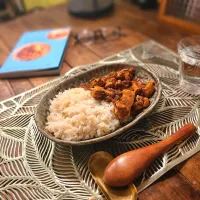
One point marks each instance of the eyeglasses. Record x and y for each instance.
(105, 33)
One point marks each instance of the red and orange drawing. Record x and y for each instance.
(59, 34)
(31, 52)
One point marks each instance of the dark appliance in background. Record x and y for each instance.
(146, 4)
(90, 8)
(4, 13)
(10, 9)
(2, 5)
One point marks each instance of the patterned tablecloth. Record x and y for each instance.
(33, 167)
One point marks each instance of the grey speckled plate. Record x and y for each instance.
(43, 106)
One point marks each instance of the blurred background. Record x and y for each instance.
(181, 14)
(12, 8)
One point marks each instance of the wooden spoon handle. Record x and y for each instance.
(128, 166)
(181, 134)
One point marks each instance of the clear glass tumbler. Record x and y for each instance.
(189, 52)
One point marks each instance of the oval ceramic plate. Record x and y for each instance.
(42, 109)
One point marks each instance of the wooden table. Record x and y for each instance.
(182, 182)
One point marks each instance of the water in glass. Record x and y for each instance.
(189, 66)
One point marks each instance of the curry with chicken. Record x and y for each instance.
(128, 94)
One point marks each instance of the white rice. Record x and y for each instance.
(76, 115)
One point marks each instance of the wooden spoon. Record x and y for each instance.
(125, 168)
(97, 164)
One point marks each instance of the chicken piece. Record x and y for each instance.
(136, 87)
(108, 99)
(118, 84)
(93, 81)
(128, 97)
(122, 84)
(140, 83)
(108, 76)
(118, 95)
(146, 102)
(126, 84)
(110, 83)
(98, 93)
(85, 86)
(121, 74)
(125, 74)
(121, 110)
(111, 92)
(140, 103)
(149, 89)
(112, 74)
(112, 95)
(97, 82)
(123, 106)
(131, 70)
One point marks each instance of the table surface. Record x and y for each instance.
(183, 181)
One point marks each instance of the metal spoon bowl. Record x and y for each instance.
(97, 165)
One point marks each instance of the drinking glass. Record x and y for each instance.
(189, 68)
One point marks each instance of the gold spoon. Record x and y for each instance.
(97, 165)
